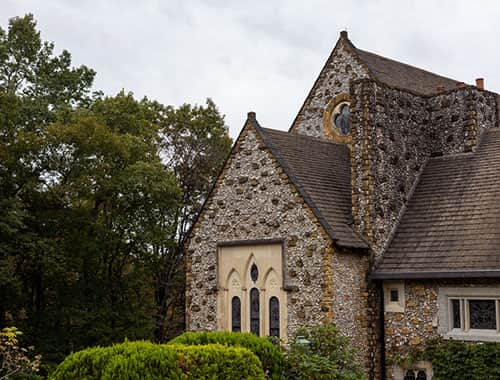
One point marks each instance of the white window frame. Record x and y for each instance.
(394, 306)
(464, 295)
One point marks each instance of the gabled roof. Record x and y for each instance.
(451, 227)
(321, 172)
(391, 72)
(401, 75)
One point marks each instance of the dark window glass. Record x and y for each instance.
(455, 305)
(236, 314)
(254, 272)
(410, 375)
(274, 317)
(482, 314)
(342, 120)
(254, 311)
(394, 296)
(421, 375)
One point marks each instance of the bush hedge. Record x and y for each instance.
(145, 360)
(454, 360)
(322, 352)
(270, 355)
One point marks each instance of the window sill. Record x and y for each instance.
(394, 307)
(473, 335)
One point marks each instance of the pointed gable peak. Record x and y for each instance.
(344, 36)
(344, 39)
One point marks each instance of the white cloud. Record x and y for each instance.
(260, 55)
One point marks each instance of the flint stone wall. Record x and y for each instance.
(487, 109)
(334, 79)
(458, 117)
(412, 329)
(394, 133)
(254, 200)
(350, 304)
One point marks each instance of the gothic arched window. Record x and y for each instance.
(410, 375)
(254, 311)
(274, 317)
(421, 375)
(236, 314)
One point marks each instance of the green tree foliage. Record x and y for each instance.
(269, 354)
(321, 353)
(16, 360)
(92, 200)
(454, 360)
(195, 144)
(144, 360)
(35, 86)
(84, 264)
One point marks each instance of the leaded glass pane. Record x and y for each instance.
(410, 375)
(274, 317)
(254, 272)
(342, 120)
(455, 305)
(236, 314)
(421, 375)
(254, 311)
(482, 314)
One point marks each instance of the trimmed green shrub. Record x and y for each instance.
(215, 361)
(321, 353)
(145, 360)
(269, 354)
(454, 360)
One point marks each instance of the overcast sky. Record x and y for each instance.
(260, 55)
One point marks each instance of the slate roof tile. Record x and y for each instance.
(322, 171)
(401, 75)
(452, 222)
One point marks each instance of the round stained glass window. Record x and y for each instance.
(341, 119)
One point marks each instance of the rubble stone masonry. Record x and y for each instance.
(408, 332)
(394, 132)
(341, 67)
(254, 200)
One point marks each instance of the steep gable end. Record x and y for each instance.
(341, 66)
(323, 181)
(347, 63)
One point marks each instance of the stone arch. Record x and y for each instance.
(233, 288)
(271, 276)
(233, 280)
(274, 290)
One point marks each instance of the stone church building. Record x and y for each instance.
(378, 211)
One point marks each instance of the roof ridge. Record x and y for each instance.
(401, 63)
